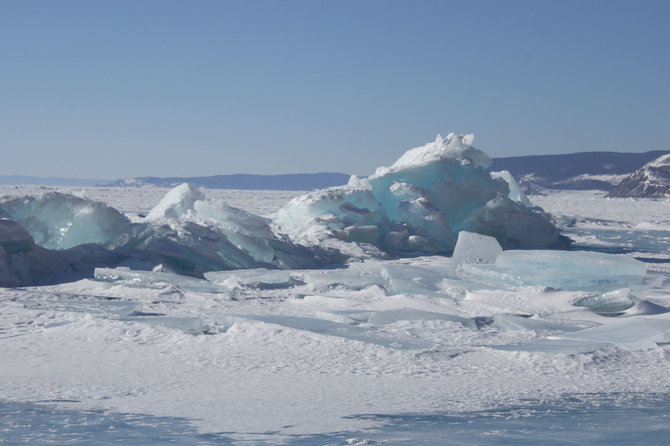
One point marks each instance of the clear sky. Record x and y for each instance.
(126, 88)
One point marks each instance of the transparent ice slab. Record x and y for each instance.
(326, 327)
(255, 277)
(410, 314)
(192, 325)
(155, 279)
(569, 270)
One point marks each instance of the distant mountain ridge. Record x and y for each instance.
(650, 181)
(296, 181)
(535, 173)
(574, 171)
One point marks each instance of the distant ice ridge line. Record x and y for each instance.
(63, 237)
(298, 181)
(418, 205)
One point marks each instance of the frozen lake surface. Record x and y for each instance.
(382, 352)
(580, 419)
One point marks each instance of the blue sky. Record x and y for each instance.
(126, 88)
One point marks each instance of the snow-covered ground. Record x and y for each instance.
(369, 353)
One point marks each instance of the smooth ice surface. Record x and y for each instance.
(641, 333)
(568, 270)
(328, 328)
(419, 204)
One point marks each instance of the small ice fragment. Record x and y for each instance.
(515, 192)
(613, 303)
(475, 248)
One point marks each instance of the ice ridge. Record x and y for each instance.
(420, 204)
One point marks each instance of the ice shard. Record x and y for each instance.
(475, 248)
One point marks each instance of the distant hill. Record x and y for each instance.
(650, 181)
(535, 173)
(574, 171)
(298, 181)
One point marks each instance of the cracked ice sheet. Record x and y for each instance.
(253, 377)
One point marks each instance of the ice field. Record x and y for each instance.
(481, 344)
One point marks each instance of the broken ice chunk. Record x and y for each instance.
(176, 202)
(515, 192)
(613, 303)
(62, 221)
(475, 248)
(244, 230)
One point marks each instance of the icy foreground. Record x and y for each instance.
(270, 355)
(268, 346)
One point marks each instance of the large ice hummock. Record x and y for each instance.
(420, 203)
(185, 233)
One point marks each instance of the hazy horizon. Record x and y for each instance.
(126, 89)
